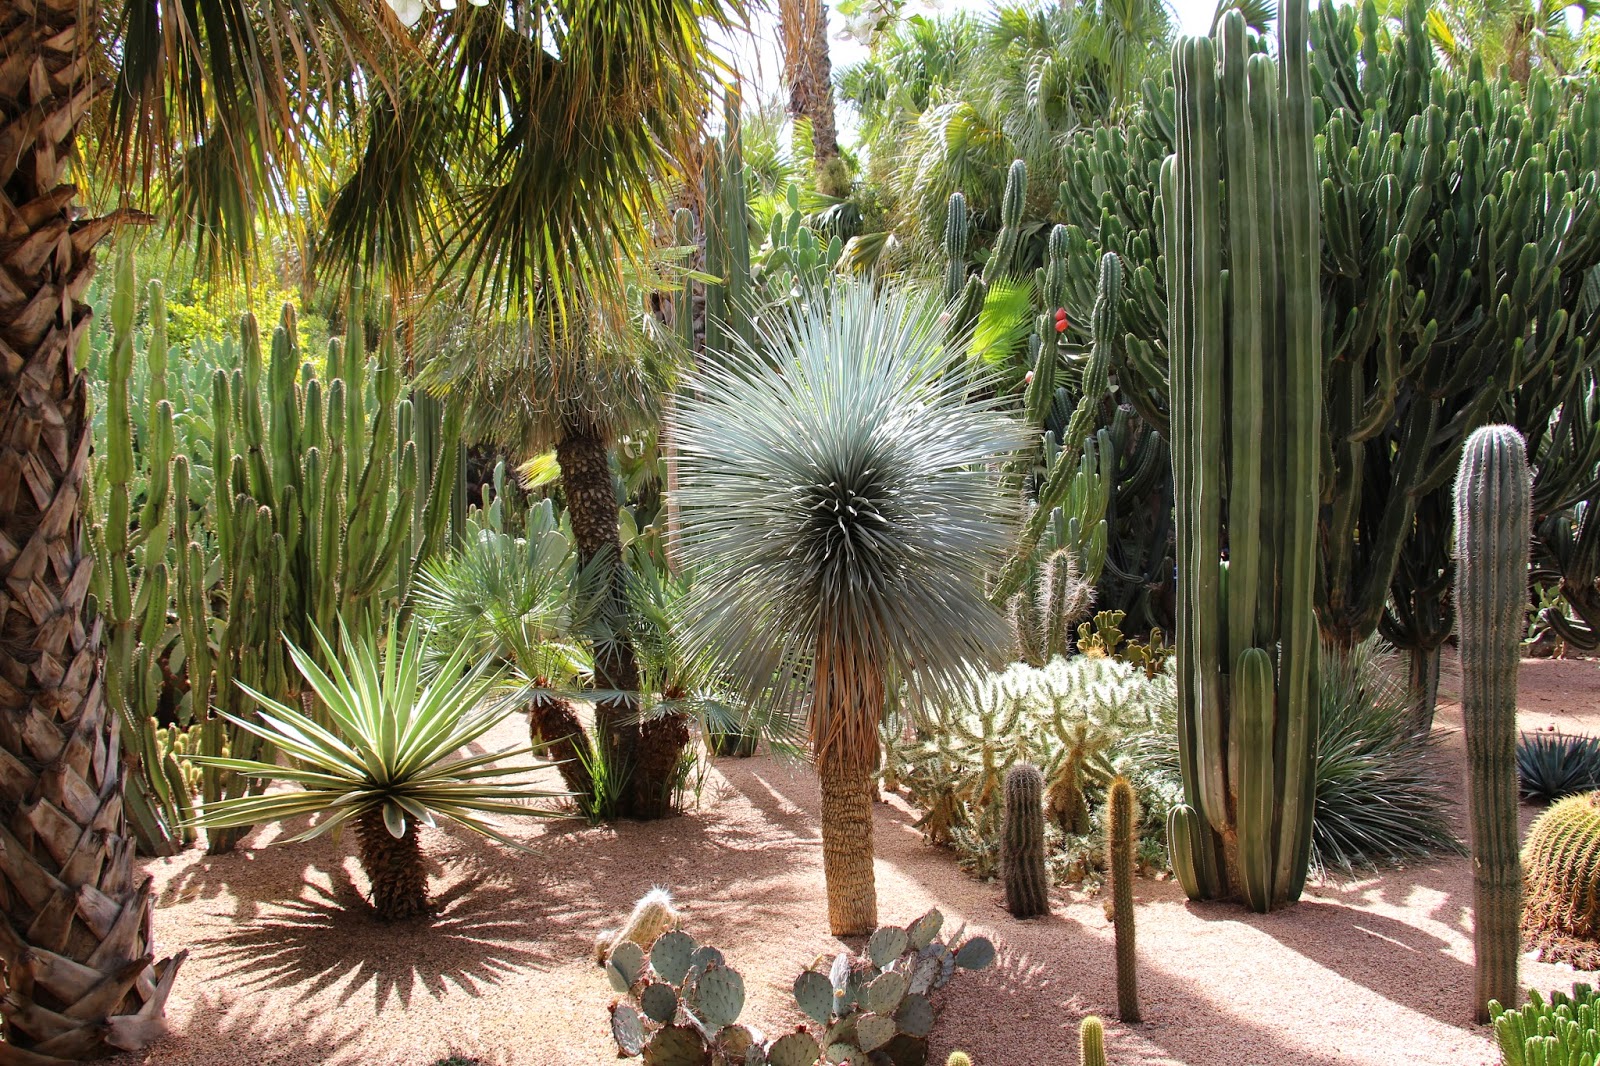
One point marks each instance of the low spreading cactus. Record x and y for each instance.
(1561, 1030)
(681, 1001)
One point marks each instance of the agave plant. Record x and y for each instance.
(1551, 766)
(391, 764)
(840, 502)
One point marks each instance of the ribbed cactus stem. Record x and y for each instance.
(1008, 242)
(1493, 518)
(1022, 868)
(957, 241)
(1064, 598)
(958, 1058)
(1091, 1042)
(1247, 640)
(1121, 841)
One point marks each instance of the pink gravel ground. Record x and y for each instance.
(1372, 971)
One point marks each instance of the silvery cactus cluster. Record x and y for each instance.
(681, 1002)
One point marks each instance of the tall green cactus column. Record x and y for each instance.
(1246, 419)
(1493, 520)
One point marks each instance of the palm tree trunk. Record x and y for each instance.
(553, 723)
(80, 978)
(395, 868)
(648, 757)
(809, 72)
(847, 849)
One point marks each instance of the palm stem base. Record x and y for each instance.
(395, 868)
(847, 851)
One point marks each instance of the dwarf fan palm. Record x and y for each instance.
(840, 503)
(389, 764)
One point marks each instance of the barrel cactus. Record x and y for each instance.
(1561, 864)
(1493, 516)
(1022, 848)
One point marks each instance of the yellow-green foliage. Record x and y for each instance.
(1561, 867)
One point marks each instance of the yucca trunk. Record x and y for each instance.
(395, 868)
(643, 755)
(80, 980)
(846, 704)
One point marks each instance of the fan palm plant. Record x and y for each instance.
(391, 764)
(220, 105)
(840, 503)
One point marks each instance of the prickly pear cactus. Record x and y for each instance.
(681, 1001)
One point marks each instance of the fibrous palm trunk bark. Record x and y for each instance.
(846, 705)
(634, 756)
(80, 977)
(394, 867)
(809, 73)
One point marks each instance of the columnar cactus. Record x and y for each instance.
(1493, 515)
(1246, 368)
(1091, 1042)
(1121, 805)
(957, 243)
(1004, 256)
(1022, 866)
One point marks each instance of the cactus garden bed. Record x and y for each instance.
(1375, 970)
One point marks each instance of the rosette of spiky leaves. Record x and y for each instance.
(839, 504)
(1551, 766)
(391, 759)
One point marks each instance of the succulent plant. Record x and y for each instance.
(1022, 848)
(682, 1001)
(1561, 864)
(1091, 1042)
(1121, 842)
(958, 1058)
(1493, 519)
(1552, 766)
(1561, 1031)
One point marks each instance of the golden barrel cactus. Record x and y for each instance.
(1561, 867)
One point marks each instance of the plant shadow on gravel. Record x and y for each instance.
(325, 938)
(252, 1033)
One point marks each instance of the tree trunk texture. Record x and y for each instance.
(1423, 686)
(80, 979)
(847, 850)
(809, 72)
(553, 723)
(395, 867)
(640, 754)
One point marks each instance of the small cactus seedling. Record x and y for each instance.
(1091, 1042)
(958, 1058)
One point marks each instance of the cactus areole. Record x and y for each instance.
(1245, 320)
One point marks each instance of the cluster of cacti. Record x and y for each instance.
(794, 261)
(1043, 618)
(298, 514)
(1492, 513)
(1460, 230)
(682, 1001)
(1022, 868)
(1561, 1031)
(1122, 820)
(1091, 1042)
(1078, 719)
(1561, 881)
(1246, 368)
(1101, 636)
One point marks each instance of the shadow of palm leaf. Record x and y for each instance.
(331, 940)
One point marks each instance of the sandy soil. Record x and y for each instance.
(1372, 971)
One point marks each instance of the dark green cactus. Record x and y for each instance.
(1493, 517)
(1091, 1042)
(957, 244)
(1022, 868)
(1004, 257)
(305, 516)
(1247, 640)
(1121, 842)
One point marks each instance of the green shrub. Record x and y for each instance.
(1379, 800)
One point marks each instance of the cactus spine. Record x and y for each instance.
(1247, 638)
(1120, 844)
(1493, 516)
(1008, 242)
(1022, 867)
(958, 1058)
(1091, 1042)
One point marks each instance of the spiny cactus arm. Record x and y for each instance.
(1007, 243)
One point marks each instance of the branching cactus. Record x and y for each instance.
(1493, 515)
(1246, 368)
(1121, 842)
(1022, 868)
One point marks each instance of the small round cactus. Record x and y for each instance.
(958, 1058)
(1561, 861)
